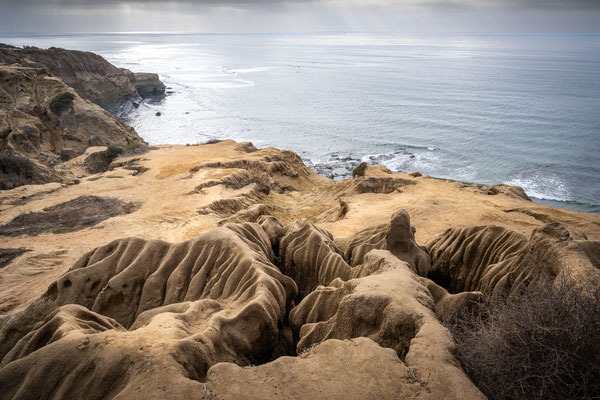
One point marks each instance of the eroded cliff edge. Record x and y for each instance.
(89, 74)
(50, 113)
(224, 271)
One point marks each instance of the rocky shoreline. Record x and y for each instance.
(50, 113)
(223, 271)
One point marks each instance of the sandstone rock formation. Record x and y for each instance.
(135, 318)
(397, 237)
(43, 122)
(356, 369)
(252, 277)
(148, 84)
(92, 77)
(387, 303)
(498, 261)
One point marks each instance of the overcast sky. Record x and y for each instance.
(226, 16)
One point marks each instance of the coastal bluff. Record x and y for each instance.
(92, 77)
(223, 271)
(52, 128)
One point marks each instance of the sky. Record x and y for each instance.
(263, 16)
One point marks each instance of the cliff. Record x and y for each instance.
(92, 77)
(44, 122)
(222, 271)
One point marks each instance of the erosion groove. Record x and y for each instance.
(136, 317)
(381, 185)
(498, 261)
(215, 298)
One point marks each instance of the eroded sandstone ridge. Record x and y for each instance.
(92, 77)
(50, 114)
(222, 271)
(134, 318)
(43, 122)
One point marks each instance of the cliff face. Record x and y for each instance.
(92, 77)
(44, 122)
(223, 271)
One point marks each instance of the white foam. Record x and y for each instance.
(544, 187)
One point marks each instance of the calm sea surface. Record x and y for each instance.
(518, 109)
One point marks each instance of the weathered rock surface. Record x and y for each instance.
(498, 261)
(397, 237)
(387, 303)
(136, 318)
(148, 84)
(323, 373)
(136, 311)
(43, 121)
(211, 316)
(92, 77)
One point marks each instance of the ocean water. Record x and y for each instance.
(516, 109)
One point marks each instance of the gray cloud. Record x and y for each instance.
(530, 4)
(299, 15)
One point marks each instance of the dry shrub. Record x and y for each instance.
(541, 344)
(16, 171)
(61, 102)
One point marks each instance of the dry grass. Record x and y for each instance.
(542, 344)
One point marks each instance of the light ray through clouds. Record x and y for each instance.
(222, 16)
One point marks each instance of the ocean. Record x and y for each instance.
(517, 109)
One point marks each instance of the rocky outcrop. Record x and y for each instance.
(387, 303)
(43, 121)
(136, 316)
(148, 84)
(397, 237)
(512, 191)
(92, 77)
(499, 261)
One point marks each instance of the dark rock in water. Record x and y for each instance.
(74, 215)
(148, 84)
(135, 104)
(170, 92)
(158, 114)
